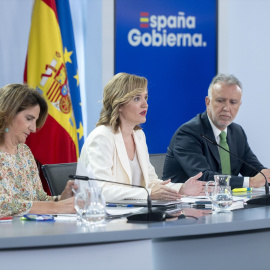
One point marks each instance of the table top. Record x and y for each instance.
(25, 234)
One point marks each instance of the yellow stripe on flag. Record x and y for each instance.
(144, 20)
(46, 67)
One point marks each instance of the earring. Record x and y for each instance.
(6, 130)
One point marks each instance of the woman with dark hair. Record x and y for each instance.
(116, 149)
(22, 111)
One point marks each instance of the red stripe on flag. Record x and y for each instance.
(144, 25)
(25, 71)
(144, 14)
(63, 151)
(52, 5)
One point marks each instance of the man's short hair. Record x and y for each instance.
(227, 79)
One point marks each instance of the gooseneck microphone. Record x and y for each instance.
(260, 200)
(151, 215)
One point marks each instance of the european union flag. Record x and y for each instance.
(65, 23)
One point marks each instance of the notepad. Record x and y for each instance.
(143, 203)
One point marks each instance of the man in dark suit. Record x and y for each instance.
(189, 153)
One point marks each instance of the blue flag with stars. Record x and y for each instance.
(66, 28)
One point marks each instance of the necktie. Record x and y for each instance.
(224, 156)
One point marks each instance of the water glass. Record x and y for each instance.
(222, 198)
(95, 209)
(209, 191)
(219, 192)
(80, 203)
(222, 180)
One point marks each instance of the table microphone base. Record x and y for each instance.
(150, 216)
(260, 200)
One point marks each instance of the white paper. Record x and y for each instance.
(236, 198)
(193, 199)
(237, 205)
(122, 210)
(66, 217)
(112, 211)
(238, 202)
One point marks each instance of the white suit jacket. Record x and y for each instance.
(106, 153)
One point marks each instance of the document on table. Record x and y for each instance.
(238, 202)
(237, 205)
(111, 211)
(193, 199)
(65, 217)
(122, 210)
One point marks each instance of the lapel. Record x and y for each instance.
(231, 140)
(208, 131)
(142, 157)
(122, 153)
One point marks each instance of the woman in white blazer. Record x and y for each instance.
(116, 149)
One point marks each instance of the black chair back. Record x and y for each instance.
(57, 175)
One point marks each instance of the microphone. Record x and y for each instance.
(151, 215)
(260, 200)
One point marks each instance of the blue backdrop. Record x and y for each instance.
(173, 43)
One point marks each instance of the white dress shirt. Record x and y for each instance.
(136, 171)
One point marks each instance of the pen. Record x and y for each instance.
(201, 206)
(119, 205)
(203, 202)
(5, 219)
(242, 189)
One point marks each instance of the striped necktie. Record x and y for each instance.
(224, 156)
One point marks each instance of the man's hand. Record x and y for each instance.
(193, 187)
(258, 180)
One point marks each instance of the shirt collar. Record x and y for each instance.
(215, 129)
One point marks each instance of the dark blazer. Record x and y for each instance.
(189, 154)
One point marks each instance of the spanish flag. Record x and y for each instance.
(51, 68)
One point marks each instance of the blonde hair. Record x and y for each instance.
(119, 91)
(15, 98)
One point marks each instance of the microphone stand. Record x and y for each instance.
(151, 215)
(259, 200)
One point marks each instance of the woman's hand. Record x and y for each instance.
(193, 187)
(67, 193)
(49, 207)
(162, 192)
(65, 206)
